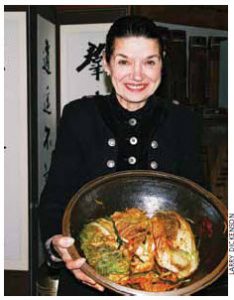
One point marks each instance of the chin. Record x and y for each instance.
(138, 98)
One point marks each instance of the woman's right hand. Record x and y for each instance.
(61, 244)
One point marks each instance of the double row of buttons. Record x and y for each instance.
(111, 163)
(131, 160)
(133, 141)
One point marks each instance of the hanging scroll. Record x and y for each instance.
(81, 68)
(46, 65)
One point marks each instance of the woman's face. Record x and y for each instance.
(135, 69)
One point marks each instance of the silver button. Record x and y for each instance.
(133, 140)
(111, 142)
(154, 165)
(110, 163)
(154, 144)
(132, 160)
(132, 122)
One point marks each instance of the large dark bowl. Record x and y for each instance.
(152, 191)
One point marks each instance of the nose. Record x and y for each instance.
(137, 73)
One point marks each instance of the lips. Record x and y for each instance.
(136, 87)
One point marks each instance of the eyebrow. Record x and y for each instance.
(148, 57)
(154, 55)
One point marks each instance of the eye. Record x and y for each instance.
(123, 62)
(151, 62)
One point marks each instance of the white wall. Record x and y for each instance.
(16, 143)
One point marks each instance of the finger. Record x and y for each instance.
(75, 264)
(63, 253)
(66, 257)
(63, 242)
(96, 286)
(55, 240)
(83, 277)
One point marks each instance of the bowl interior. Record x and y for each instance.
(151, 192)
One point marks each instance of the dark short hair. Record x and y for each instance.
(129, 26)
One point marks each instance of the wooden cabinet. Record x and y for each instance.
(215, 155)
(210, 16)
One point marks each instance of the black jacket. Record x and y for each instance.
(95, 138)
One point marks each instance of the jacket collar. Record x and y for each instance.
(116, 117)
(123, 113)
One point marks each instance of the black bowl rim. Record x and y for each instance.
(188, 290)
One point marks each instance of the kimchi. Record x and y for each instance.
(152, 254)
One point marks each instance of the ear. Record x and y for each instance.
(105, 64)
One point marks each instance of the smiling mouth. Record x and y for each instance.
(135, 87)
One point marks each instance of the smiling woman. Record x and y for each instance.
(131, 129)
(135, 69)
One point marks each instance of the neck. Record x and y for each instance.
(130, 106)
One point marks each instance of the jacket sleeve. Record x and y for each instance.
(190, 144)
(64, 176)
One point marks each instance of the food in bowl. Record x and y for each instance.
(151, 254)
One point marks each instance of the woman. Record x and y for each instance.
(130, 129)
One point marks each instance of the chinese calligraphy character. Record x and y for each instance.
(46, 58)
(47, 142)
(93, 57)
(46, 104)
